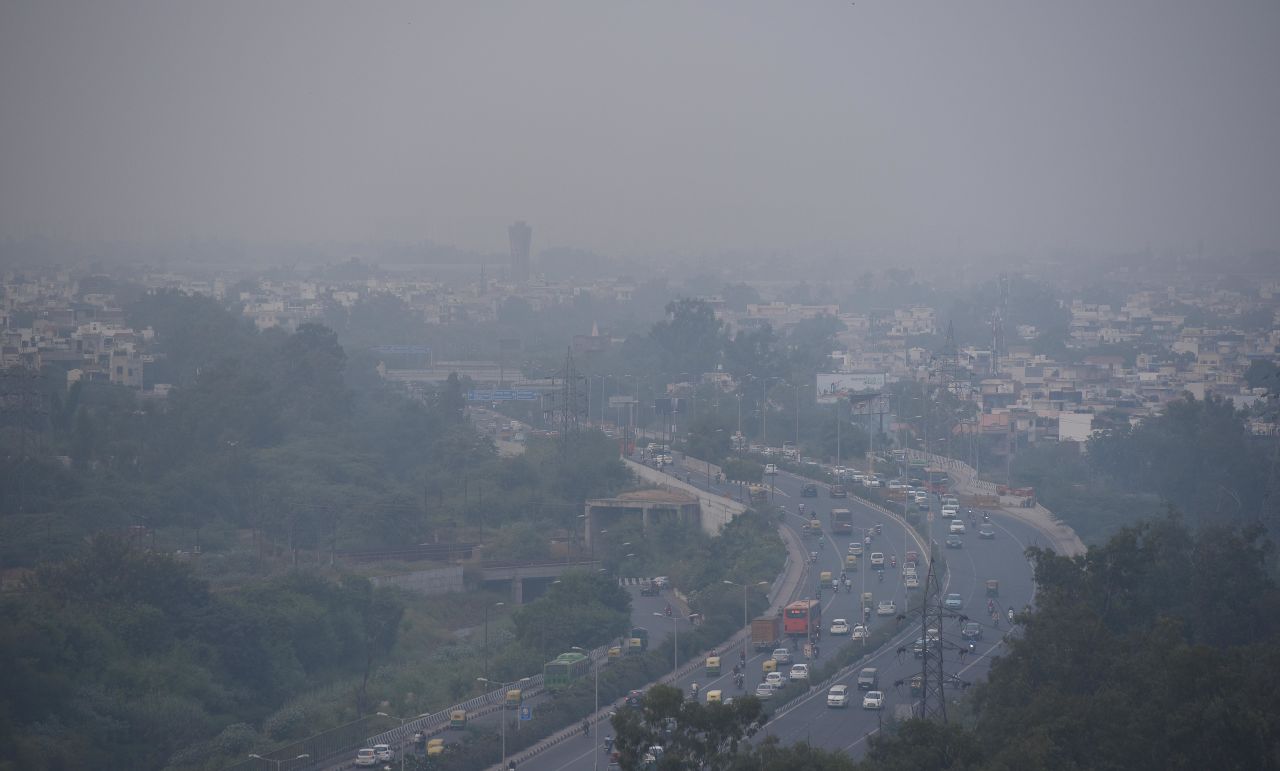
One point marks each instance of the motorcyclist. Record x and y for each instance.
(668, 611)
(694, 690)
(835, 585)
(608, 744)
(586, 727)
(1010, 615)
(880, 576)
(893, 560)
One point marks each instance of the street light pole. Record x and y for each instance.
(745, 622)
(595, 724)
(675, 640)
(281, 761)
(486, 634)
(503, 713)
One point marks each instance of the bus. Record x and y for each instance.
(564, 670)
(841, 521)
(802, 618)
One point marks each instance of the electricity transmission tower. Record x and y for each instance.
(933, 702)
(568, 404)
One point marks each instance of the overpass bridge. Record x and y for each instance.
(543, 573)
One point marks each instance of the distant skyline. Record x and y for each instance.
(927, 129)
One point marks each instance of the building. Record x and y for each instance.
(521, 236)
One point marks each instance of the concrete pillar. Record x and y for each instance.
(517, 589)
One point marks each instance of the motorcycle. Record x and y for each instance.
(668, 611)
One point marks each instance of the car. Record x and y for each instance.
(855, 549)
(635, 698)
(873, 700)
(908, 568)
(954, 542)
(868, 679)
(764, 692)
(987, 531)
(775, 679)
(953, 602)
(886, 608)
(911, 581)
(662, 582)
(770, 468)
(782, 656)
(810, 490)
(949, 512)
(837, 491)
(971, 631)
(838, 696)
(648, 589)
(839, 626)
(366, 757)
(956, 527)
(839, 472)
(384, 752)
(799, 672)
(877, 559)
(859, 632)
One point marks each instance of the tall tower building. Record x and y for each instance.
(521, 236)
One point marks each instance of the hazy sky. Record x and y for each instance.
(629, 126)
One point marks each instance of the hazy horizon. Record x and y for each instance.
(913, 129)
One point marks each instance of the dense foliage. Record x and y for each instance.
(120, 658)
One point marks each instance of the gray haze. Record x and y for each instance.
(888, 126)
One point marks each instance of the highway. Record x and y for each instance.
(809, 718)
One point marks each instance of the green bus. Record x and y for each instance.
(564, 670)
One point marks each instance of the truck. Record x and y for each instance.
(841, 521)
(766, 633)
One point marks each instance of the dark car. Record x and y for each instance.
(972, 631)
(954, 542)
(809, 491)
(838, 491)
(986, 531)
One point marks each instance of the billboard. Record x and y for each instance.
(833, 387)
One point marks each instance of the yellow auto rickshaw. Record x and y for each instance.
(713, 696)
(615, 652)
(769, 665)
(867, 598)
(713, 666)
(435, 747)
(635, 646)
(458, 718)
(850, 562)
(993, 588)
(515, 697)
(824, 577)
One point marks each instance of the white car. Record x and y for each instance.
(886, 608)
(799, 672)
(764, 692)
(877, 559)
(770, 469)
(873, 700)
(859, 632)
(855, 549)
(908, 568)
(366, 757)
(838, 696)
(782, 656)
(911, 581)
(839, 627)
(384, 752)
(956, 527)
(774, 680)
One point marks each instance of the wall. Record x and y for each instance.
(431, 581)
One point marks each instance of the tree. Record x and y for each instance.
(691, 338)
(692, 735)
(581, 609)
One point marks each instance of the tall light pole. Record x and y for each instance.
(862, 592)
(283, 760)
(745, 622)
(675, 640)
(486, 634)
(595, 724)
(504, 687)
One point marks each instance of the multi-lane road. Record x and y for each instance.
(808, 718)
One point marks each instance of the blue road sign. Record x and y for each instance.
(526, 713)
(502, 395)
